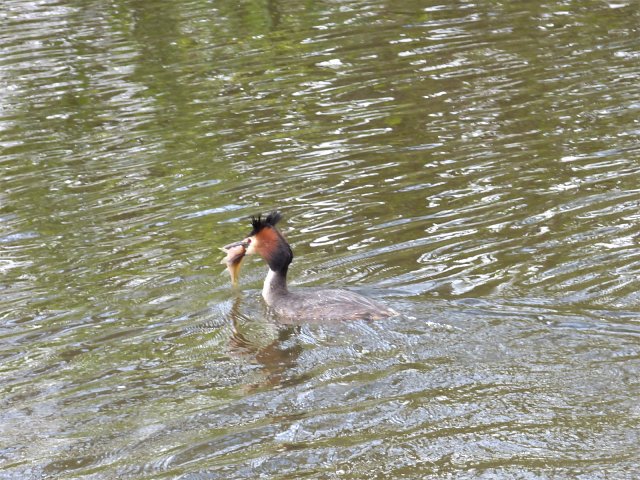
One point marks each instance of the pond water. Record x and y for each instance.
(473, 164)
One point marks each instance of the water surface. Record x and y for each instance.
(476, 166)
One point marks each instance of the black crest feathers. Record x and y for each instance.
(258, 223)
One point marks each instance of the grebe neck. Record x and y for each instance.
(275, 285)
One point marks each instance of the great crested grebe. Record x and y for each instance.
(306, 304)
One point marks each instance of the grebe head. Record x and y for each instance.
(267, 241)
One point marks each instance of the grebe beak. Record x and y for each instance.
(244, 243)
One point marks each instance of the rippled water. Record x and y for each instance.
(474, 165)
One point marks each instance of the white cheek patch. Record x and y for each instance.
(251, 249)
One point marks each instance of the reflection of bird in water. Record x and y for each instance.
(304, 304)
(275, 359)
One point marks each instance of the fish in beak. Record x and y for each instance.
(235, 253)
